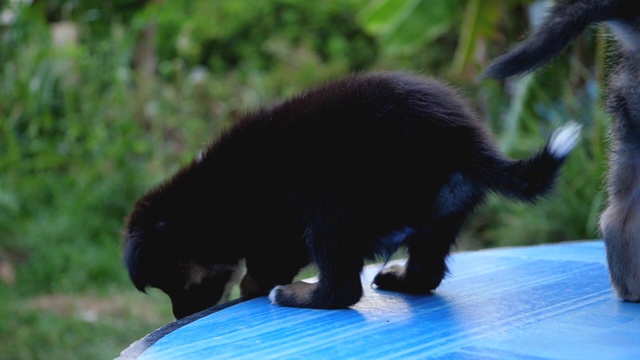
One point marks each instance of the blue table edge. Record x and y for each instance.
(134, 350)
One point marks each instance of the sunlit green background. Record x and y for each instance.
(99, 100)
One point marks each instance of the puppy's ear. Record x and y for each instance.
(134, 255)
(160, 226)
(141, 254)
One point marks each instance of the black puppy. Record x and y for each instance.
(620, 222)
(341, 173)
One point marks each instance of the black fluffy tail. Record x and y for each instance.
(566, 21)
(530, 178)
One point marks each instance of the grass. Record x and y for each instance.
(77, 326)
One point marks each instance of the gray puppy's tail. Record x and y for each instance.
(565, 22)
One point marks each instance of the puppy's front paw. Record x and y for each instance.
(625, 280)
(624, 292)
(297, 294)
(273, 293)
(623, 250)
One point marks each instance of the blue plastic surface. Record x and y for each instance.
(537, 302)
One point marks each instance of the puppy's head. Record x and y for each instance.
(167, 247)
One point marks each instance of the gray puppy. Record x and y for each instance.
(620, 222)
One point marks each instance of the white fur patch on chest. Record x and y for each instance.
(238, 273)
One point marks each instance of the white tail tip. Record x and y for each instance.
(564, 139)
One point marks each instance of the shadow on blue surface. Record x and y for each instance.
(535, 302)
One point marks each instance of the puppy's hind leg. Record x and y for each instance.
(620, 222)
(430, 245)
(620, 225)
(426, 266)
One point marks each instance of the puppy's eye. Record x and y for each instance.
(161, 225)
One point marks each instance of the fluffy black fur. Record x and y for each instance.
(343, 172)
(620, 222)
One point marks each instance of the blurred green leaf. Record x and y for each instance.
(383, 17)
(405, 25)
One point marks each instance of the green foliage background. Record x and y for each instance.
(84, 130)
